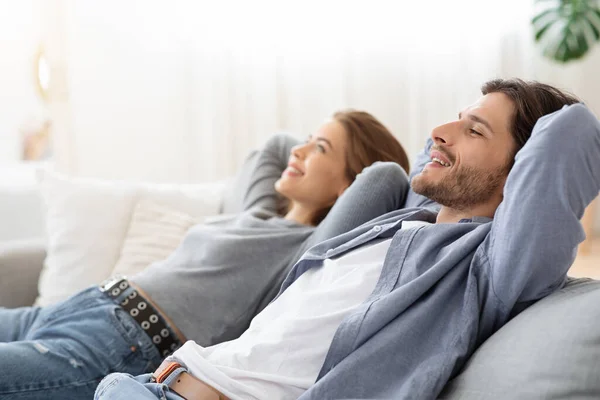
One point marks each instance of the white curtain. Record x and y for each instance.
(181, 90)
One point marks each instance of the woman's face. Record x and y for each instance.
(316, 172)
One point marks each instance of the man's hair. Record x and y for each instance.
(368, 141)
(532, 100)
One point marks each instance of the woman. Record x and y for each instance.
(221, 275)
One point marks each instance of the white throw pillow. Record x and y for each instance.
(154, 233)
(87, 220)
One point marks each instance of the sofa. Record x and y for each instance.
(549, 351)
(23, 258)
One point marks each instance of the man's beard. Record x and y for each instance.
(464, 188)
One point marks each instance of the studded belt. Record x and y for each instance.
(142, 311)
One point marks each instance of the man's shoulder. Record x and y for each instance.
(425, 214)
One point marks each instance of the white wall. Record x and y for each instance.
(19, 37)
(181, 90)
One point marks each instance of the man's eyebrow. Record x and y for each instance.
(478, 119)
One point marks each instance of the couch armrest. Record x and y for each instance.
(20, 266)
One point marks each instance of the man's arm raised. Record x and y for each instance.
(536, 228)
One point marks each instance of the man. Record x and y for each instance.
(394, 308)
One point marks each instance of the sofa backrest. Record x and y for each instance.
(549, 351)
(21, 215)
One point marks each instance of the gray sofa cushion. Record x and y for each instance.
(21, 212)
(549, 351)
(20, 265)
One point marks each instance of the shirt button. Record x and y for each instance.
(377, 228)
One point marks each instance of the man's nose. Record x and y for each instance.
(445, 134)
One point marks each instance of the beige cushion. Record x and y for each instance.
(155, 232)
(87, 221)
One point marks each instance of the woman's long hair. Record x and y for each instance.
(369, 141)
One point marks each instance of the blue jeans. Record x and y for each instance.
(63, 351)
(127, 387)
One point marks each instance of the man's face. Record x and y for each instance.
(471, 156)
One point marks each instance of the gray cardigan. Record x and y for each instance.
(445, 288)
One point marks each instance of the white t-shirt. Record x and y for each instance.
(281, 353)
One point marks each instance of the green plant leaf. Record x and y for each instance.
(567, 28)
(543, 14)
(594, 30)
(539, 33)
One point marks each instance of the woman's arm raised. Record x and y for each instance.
(272, 160)
(377, 190)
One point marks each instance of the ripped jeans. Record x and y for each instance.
(63, 351)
